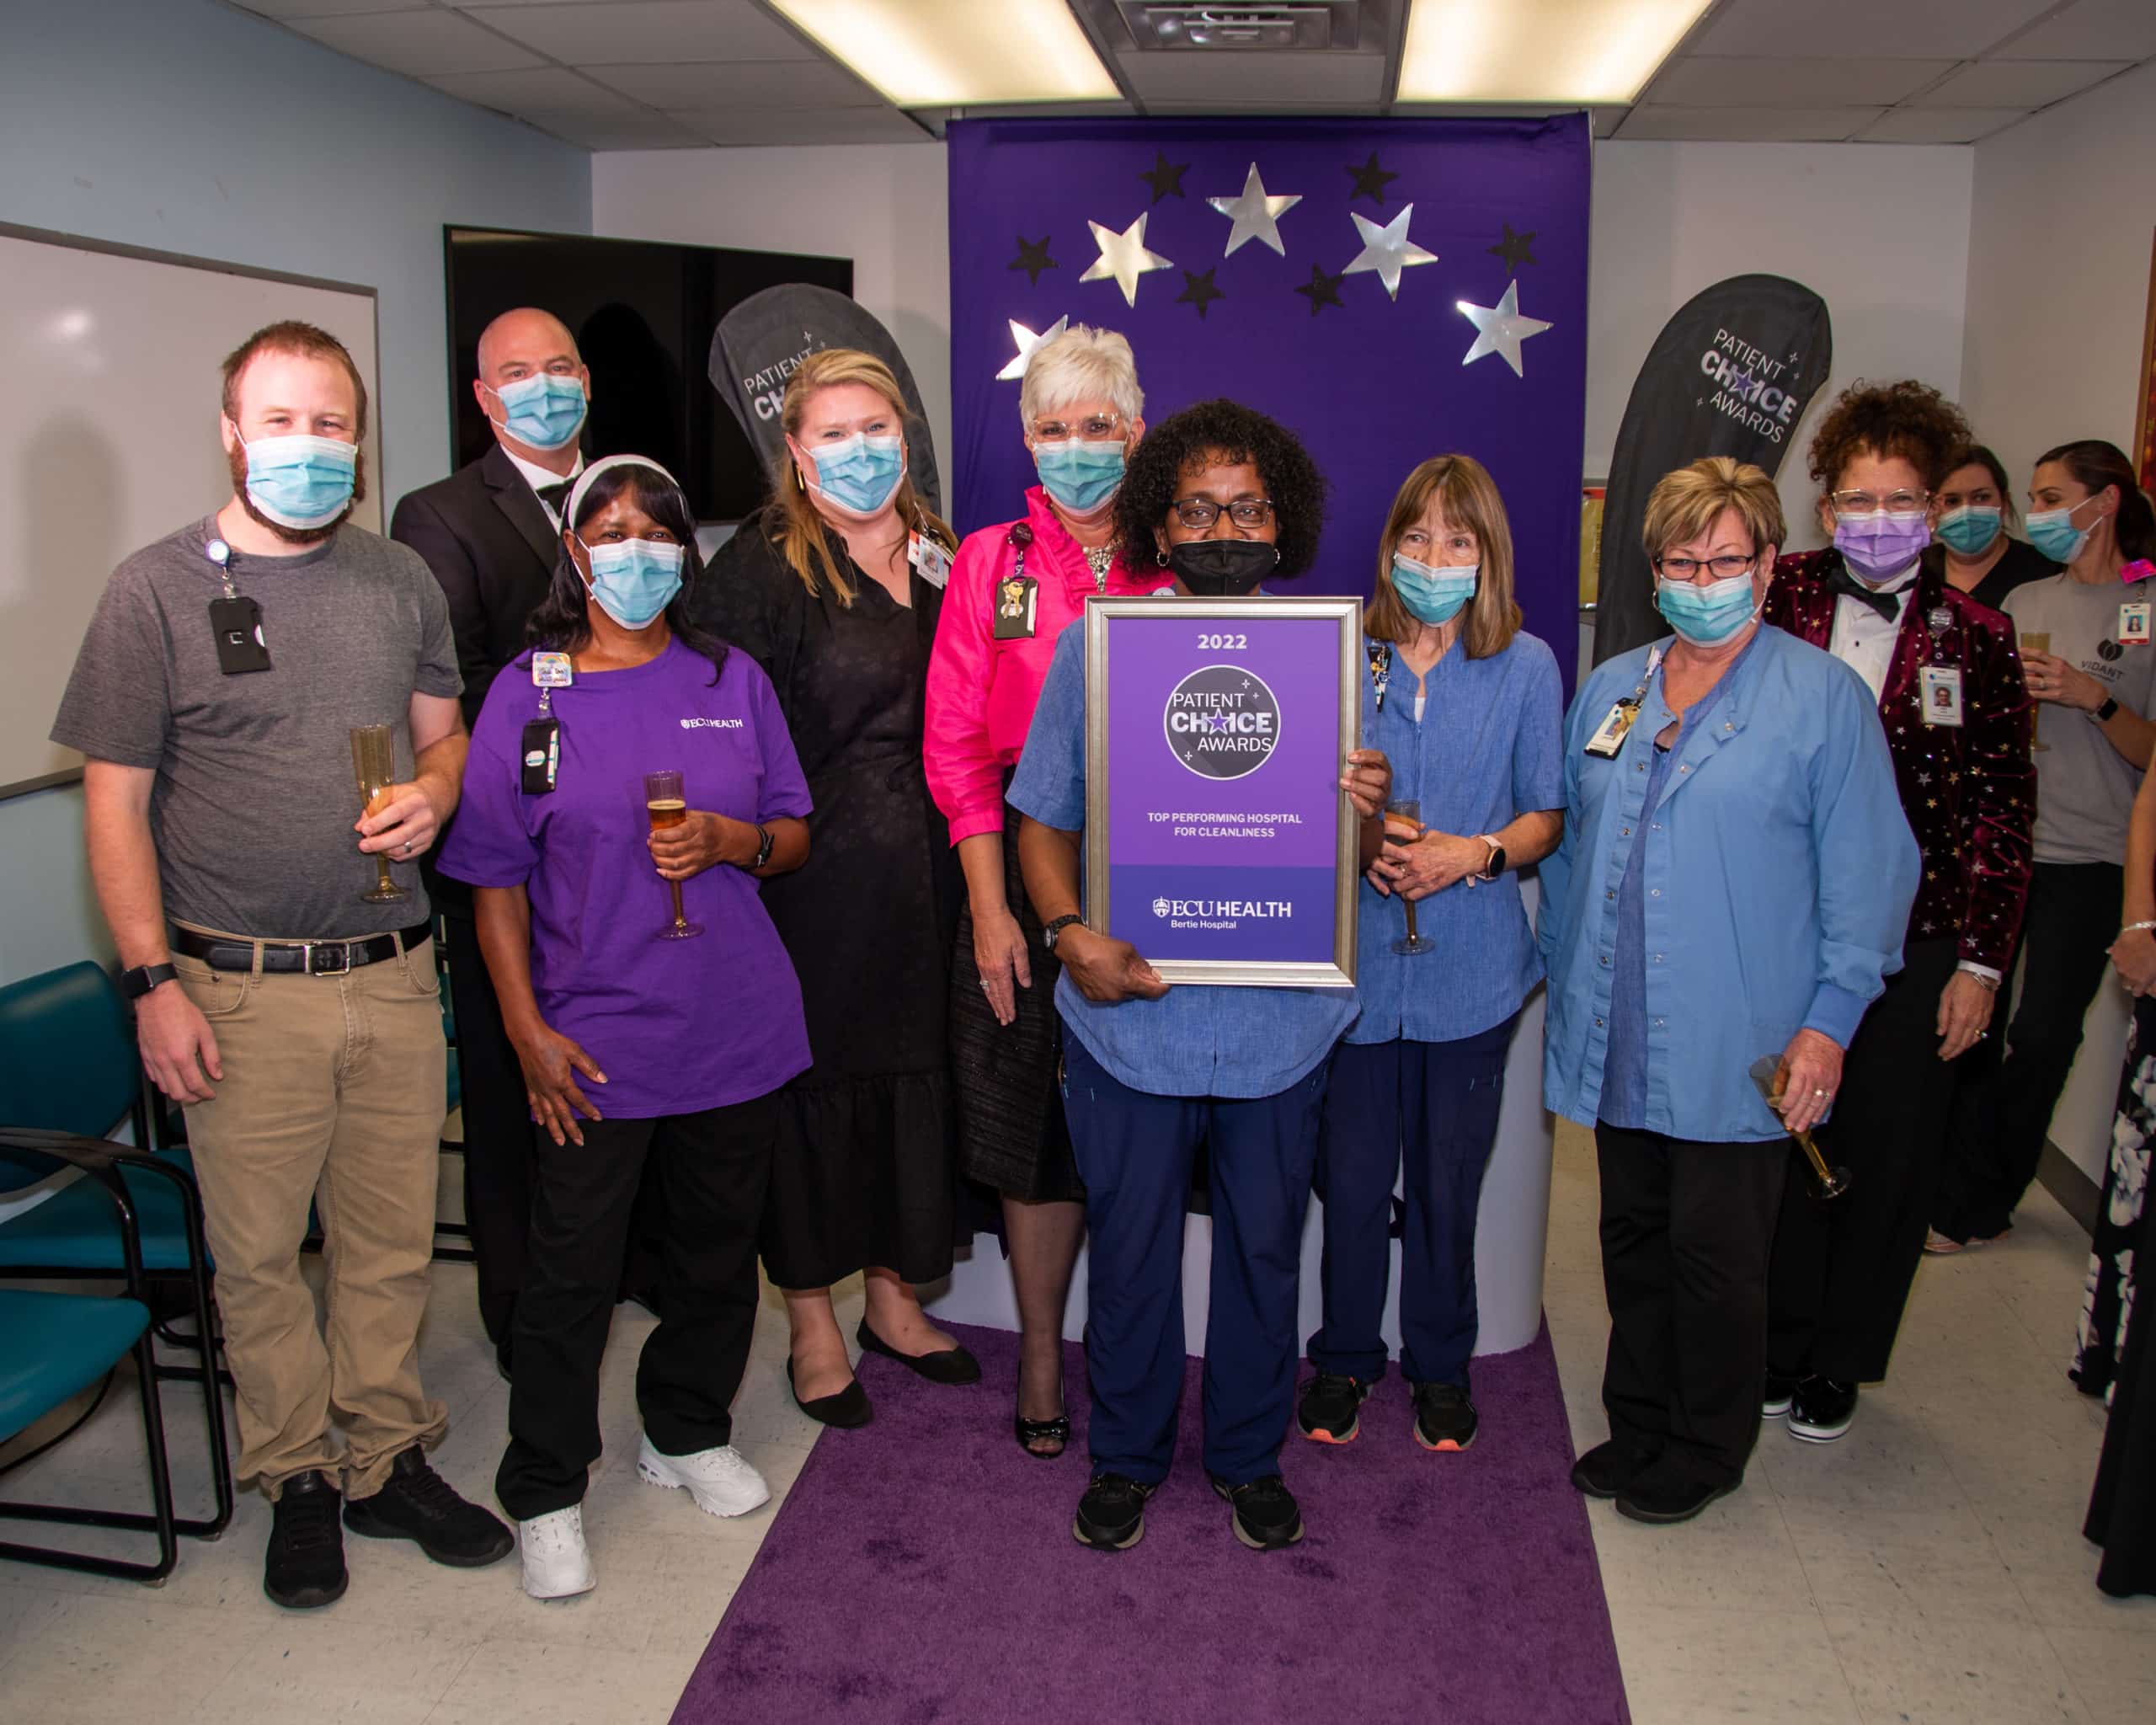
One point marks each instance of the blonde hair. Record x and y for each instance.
(791, 521)
(1082, 364)
(1463, 489)
(1689, 502)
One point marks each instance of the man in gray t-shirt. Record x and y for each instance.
(294, 1016)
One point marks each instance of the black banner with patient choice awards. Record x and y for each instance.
(760, 343)
(1731, 374)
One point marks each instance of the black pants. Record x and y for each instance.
(497, 1131)
(712, 1171)
(1842, 1269)
(2000, 1122)
(1685, 1232)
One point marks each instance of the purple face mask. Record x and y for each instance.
(1882, 543)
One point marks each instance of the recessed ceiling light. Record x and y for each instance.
(1539, 51)
(959, 53)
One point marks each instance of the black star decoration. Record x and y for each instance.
(1371, 181)
(1032, 258)
(1513, 249)
(1165, 177)
(1321, 290)
(1199, 290)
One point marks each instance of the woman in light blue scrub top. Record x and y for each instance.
(1470, 709)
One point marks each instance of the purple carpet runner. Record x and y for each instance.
(922, 1570)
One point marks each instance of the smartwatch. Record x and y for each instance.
(2103, 713)
(1055, 929)
(1496, 866)
(135, 983)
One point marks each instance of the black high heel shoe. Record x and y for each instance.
(1030, 1432)
(847, 1410)
(946, 1366)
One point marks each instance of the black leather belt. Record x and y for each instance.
(310, 958)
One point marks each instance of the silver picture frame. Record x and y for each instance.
(1347, 613)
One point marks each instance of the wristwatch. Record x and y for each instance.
(1055, 929)
(1496, 866)
(2103, 713)
(135, 983)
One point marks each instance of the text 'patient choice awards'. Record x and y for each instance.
(1222, 722)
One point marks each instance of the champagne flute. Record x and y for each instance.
(2037, 641)
(668, 805)
(1408, 812)
(374, 762)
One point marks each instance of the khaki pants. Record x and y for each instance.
(333, 1090)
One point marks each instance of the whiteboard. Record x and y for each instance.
(109, 437)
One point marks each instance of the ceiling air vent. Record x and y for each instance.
(1290, 24)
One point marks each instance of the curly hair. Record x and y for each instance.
(1222, 432)
(1908, 419)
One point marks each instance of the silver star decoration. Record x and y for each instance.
(1123, 257)
(1387, 250)
(1254, 215)
(1026, 342)
(1499, 328)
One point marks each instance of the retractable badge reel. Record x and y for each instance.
(542, 737)
(235, 619)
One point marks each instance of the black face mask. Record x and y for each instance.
(1222, 568)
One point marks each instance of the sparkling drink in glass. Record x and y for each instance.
(667, 804)
(2037, 641)
(374, 762)
(1403, 820)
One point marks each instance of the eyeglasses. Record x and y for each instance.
(1095, 427)
(1865, 503)
(1200, 513)
(1683, 568)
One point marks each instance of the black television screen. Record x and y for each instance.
(643, 313)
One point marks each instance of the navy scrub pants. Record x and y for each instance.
(1434, 1105)
(1134, 1151)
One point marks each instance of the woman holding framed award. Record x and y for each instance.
(1468, 707)
(1221, 497)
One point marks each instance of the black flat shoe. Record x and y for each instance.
(846, 1410)
(1032, 1431)
(947, 1365)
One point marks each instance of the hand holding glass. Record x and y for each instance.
(1407, 814)
(1771, 1078)
(374, 762)
(668, 805)
(2037, 641)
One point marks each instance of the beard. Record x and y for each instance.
(235, 465)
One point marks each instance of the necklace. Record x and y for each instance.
(1097, 559)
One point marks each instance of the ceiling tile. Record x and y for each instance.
(2019, 83)
(2091, 29)
(1939, 125)
(653, 132)
(1959, 30)
(649, 32)
(546, 90)
(417, 43)
(827, 126)
(758, 83)
(1748, 124)
(1175, 81)
(286, 9)
(1721, 81)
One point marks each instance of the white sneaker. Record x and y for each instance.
(556, 1564)
(721, 1482)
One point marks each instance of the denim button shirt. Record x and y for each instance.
(1488, 747)
(1778, 874)
(1193, 1041)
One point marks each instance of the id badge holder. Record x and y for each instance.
(2133, 624)
(932, 560)
(1017, 603)
(235, 620)
(1939, 686)
(541, 754)
(1609, 739)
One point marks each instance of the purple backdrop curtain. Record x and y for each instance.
(1374, 384)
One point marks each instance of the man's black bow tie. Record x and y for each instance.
(1840, 580)
(557, 497)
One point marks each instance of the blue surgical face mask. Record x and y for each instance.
(1707, 616)
(544, 411)
(1433, 595)
(633, 580)
(300, 482)
(2053, 532)
(1971, 528)
(859, 475)
(1080, 473)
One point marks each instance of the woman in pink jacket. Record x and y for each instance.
(1014, 588)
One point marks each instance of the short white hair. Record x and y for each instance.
(1082, 364)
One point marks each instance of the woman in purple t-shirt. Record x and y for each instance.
(637, 1050)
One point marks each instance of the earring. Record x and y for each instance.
(1276, 557)
(1161, 559)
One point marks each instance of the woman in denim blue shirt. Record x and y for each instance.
(1468, 709)
(1734, 881)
